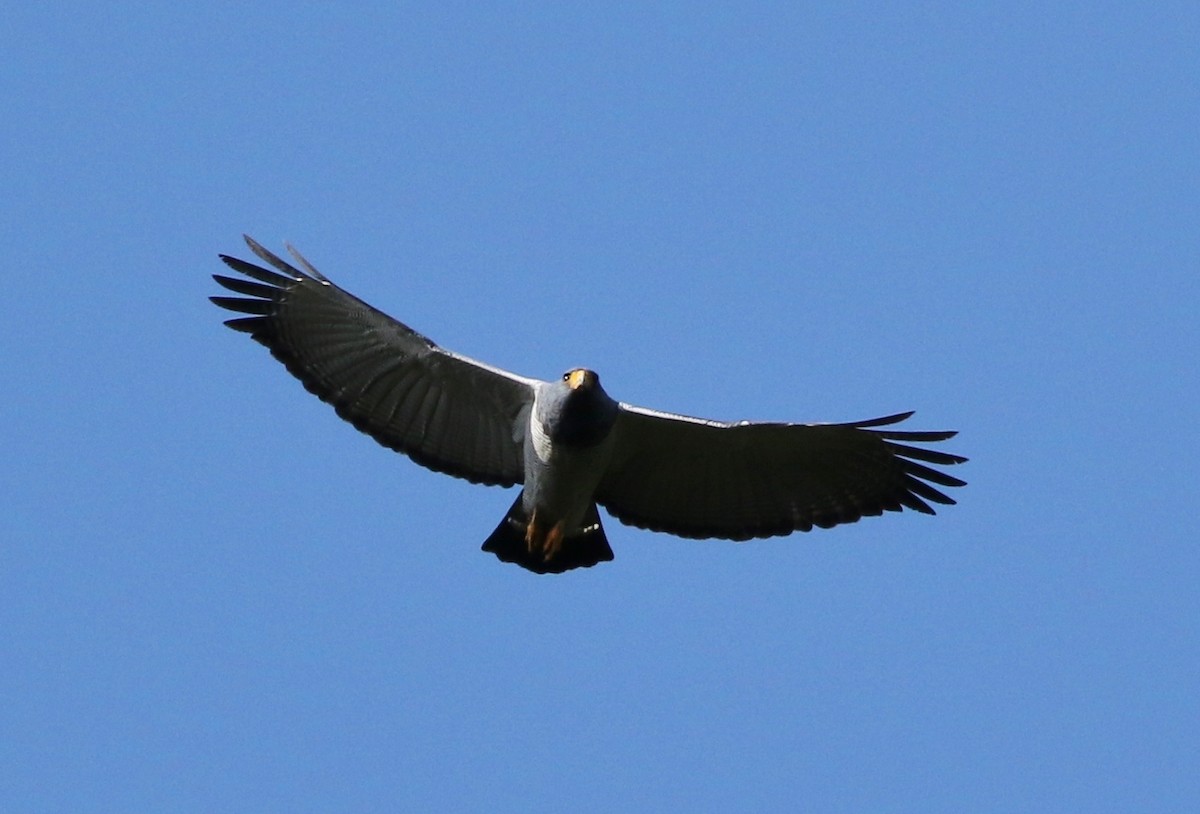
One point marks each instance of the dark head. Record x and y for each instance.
(580, 413)
(582, 379)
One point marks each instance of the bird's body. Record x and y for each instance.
(564, 463)
(567, 442)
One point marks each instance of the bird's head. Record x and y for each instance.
(581, 379)
(578, 411)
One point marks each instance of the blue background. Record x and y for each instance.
(215, 596)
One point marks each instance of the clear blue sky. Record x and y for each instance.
(216, 596)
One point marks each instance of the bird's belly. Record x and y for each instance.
(562, 486)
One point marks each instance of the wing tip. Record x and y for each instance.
(883, 421)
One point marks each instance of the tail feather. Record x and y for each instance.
(582, 550)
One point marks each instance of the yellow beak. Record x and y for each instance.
(580, 378)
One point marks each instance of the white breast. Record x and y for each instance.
(560, 481)
(539, 439)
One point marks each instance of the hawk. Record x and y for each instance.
(566, 442)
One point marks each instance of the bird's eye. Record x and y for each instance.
(566, 375)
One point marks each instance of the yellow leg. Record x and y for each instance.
(548, 541)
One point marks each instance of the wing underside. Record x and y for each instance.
(701, 479)
(447, 412)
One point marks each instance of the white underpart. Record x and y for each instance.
(560, 481)
(540, 440)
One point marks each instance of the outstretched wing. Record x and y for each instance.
(447, 412)
(698, 478)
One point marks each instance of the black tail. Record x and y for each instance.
(580, 551)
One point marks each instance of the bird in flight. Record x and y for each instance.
(567, 442)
